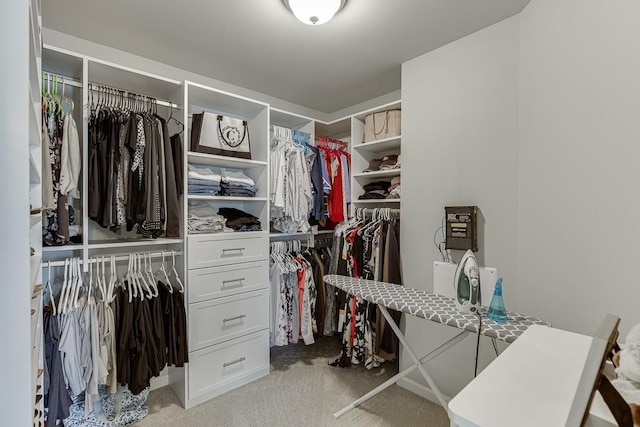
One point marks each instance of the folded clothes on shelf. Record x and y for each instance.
(239, 220)
(375, 190)
(237, 184)
(392, 161)
(394, 189)
(203, 181)
(203, 218)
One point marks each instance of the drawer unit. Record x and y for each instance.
(231, 248)
(216, 282)
(222, 319)
(216, 369)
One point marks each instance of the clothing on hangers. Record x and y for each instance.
(365, 248)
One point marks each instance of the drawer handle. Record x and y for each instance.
(232, 250)
(233, 362)
(231, 319)
(226, 282)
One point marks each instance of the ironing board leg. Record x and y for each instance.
(417, 364)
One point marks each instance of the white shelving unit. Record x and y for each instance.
(363, 152)
(227, 272)
(285, 119)
(79, 71)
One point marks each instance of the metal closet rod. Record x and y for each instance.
(47, 75)
(119, 257)
(94, 87)
(368, 212)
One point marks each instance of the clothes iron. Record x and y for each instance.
(467, 284)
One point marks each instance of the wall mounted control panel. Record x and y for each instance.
(462, 227)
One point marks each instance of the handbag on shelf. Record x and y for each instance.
(221, 135)
(382, 125)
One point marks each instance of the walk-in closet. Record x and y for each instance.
(255, 214)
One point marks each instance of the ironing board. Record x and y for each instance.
(428, 306)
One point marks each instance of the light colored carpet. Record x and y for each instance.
(302, 390)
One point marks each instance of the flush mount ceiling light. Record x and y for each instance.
(314, 12)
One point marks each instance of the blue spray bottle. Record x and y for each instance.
(496, 311)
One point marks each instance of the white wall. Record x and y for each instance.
(579, 162)
(460, 147)
(549, 104)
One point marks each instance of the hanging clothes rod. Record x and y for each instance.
(60, 79)
(369, 212)
(326, 141)
(119, 257)
(95, 87)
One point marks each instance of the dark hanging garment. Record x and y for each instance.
(176, 149)
(391, 273)
(315, 173)
(125, 339)
(56, 397)
(182, 347)
(173, 202)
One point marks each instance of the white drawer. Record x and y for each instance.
(229, 248)
(216, 369)
(216, 282)
(222, 319)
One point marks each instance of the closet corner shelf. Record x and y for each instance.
(378, 174)
(64, 248)
(289, 236)
(34, 267)
(222, 235)
(36, 303)
(376, 201)
(224, 161)
(227, 198)
(35, 132)
(387, 144)
(133, 243)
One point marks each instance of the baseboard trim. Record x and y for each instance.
(420, 390)
(160, 381)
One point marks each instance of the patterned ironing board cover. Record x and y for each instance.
(434, 307)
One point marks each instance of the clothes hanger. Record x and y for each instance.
(67, 100)
(175, 272)
(53, 302)
(137, 279)
(150, 276)
(164, 275)
(63, 291)
(79, 284)
(178, 122)
(142, 282)
(112, 279)
(142, 270)
(131, 286)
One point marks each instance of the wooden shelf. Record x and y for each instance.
(376, 201)
(68, 247)
(227, 198)
(387, 173)
(228, 234)
(379, 146)
(133, 243)
(223, 161)
(222, 102)
(289, 236)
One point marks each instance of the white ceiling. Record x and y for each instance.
(261, 46)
